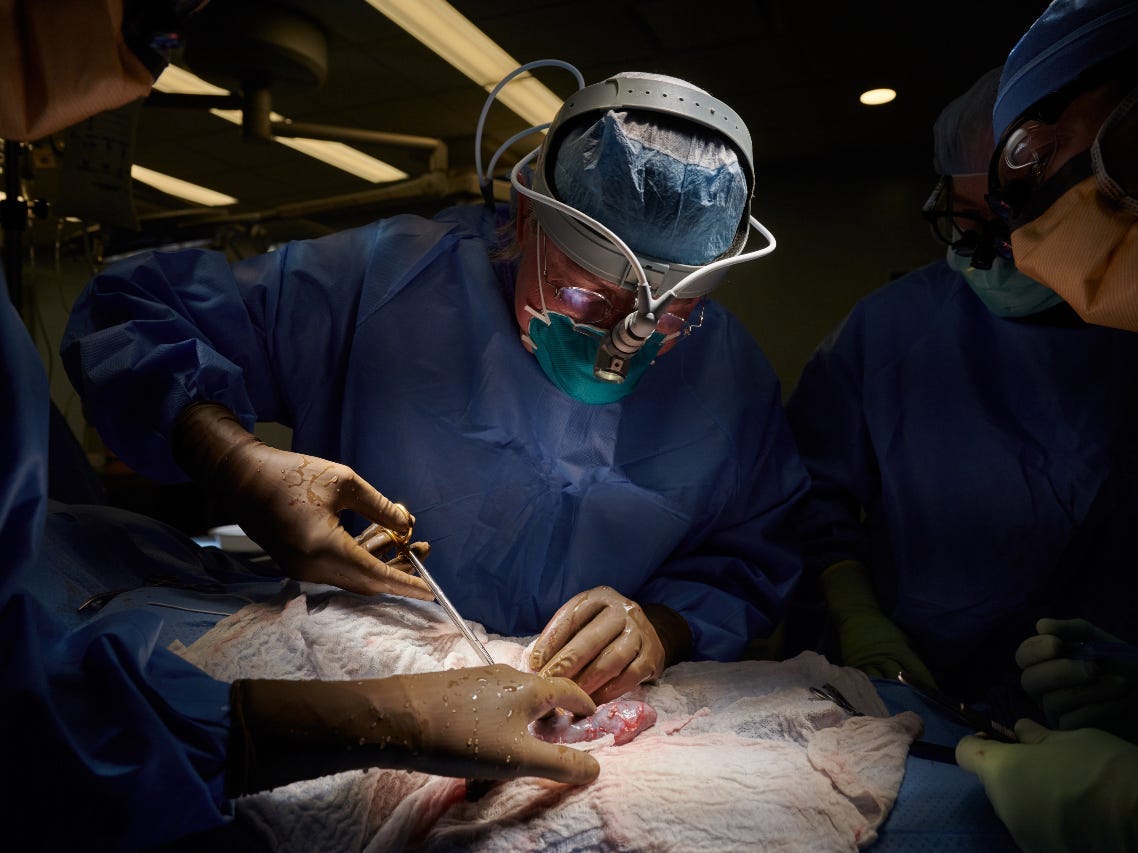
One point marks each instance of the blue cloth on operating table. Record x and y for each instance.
(939, 807)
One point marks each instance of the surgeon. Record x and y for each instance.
(967, 476)
(593, 449)
(1063, 175)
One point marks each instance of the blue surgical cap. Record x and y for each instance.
(1069, 37)
(962, 133)
(671, 190)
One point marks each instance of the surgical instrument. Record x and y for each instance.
(99, 600)
(831, 693)
(917, 749)
(402, 544)
(973, 717)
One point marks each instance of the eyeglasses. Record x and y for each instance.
(593, 307)
(1019, 163)
(969, 233)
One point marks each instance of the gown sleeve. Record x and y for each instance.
(825, 412)
(732, 581)
(265, 337)
(109, 743)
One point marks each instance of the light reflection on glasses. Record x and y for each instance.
(593, 308)
(1029, 148)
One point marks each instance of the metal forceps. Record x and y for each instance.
(918, 748)
(831, 694)
(99, 600)
(402, 544)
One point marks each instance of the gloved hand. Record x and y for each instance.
(1077, 693)
(1059, 790)
(288, 503)
(469, 723)
(870, 641)
(609, 644)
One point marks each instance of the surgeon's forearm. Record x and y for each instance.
(673, 630)
(204, 436)
(287, 731)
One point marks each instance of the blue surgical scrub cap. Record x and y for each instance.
(671, 189)
(962, 133)
(1069, 37)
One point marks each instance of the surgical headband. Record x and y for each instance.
(678, 103)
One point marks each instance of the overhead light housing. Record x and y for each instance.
(179, 81)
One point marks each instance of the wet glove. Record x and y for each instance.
(289, 504)
(469, 723)
(609, 644)
(1078, 693)
(1058, 791)
(869, 640)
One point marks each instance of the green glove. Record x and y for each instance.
(1058, 791)
(869, 639)
(1073, 693)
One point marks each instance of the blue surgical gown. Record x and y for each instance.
(109, 742)
(393, 348)
(994, 461)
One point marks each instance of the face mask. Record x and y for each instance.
(1005, 290)
(1085, 249)
(1084, 246)
(566, 353)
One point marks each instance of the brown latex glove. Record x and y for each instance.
(289, 504)
(608, 644)
(471, 723)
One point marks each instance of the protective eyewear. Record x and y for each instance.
(1020, 161)
(587, 306)
(969, 233)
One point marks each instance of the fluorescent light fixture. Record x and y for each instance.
(180, 81)
(440, 27)
(180, 188)
(333, 153)
(876, 97)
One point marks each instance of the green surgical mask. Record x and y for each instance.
(566, 353)
(1003, 289)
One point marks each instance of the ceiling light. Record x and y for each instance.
(180, 188)
(876, 97)
(439, 26)
(180, 81)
